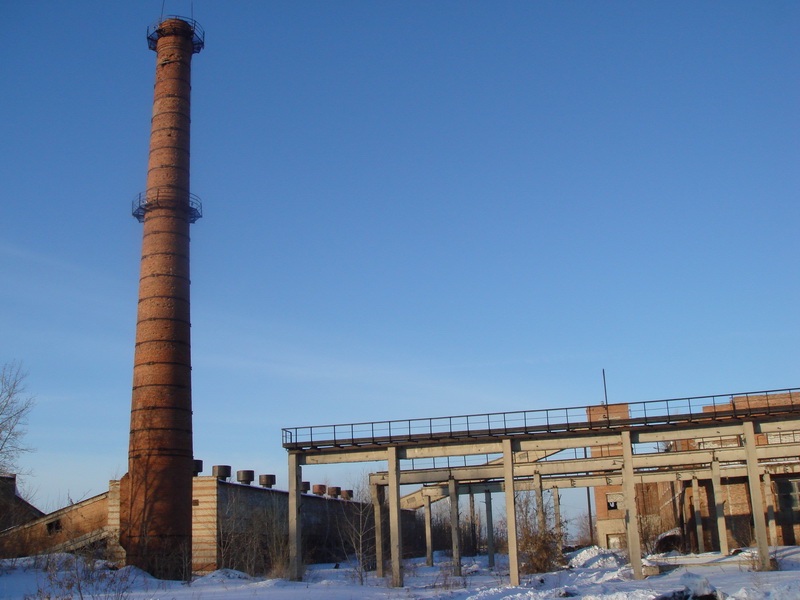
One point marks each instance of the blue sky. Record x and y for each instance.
(411, 209)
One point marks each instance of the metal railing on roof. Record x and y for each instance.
(554, 420)
(157, 30)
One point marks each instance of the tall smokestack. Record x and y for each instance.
(157, 491)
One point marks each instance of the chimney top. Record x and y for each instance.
(175, 25)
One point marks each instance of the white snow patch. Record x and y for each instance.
(696, 584)
(222, 575)
(594, 557)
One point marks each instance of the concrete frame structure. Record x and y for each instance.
(156, 493)
(535, 457)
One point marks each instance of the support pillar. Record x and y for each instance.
(395, 535)
(473, 537)
(428, 533)
(719, 503)
(756, 498)
(631, 511)
(377, 509)
(557, 518)
(295, 533)
(770, 497)
(452, 488)
(511, 512)
(489, 528)
(540, 514)
(698, 517)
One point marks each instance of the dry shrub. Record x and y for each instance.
(538, 547)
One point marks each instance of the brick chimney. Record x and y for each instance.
(156, 493)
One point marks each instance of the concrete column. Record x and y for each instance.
(377, 509)
(511, 512)
(698, 517)
(557, 518)
(756, 498)
(631, 511)
(770, 497)
(540, 514)
(472, 531)
(428, 533)
(452, 488)
(489, 528)
(395, 535)
(719, 503)
(295, 533)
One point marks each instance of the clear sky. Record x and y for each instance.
(411, 209)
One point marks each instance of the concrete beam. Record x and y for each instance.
(351, 455)
(574, 441)
(577, 467)
(690, 433)
(782, 425)
(457, 448)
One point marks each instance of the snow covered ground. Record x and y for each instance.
(593, 574)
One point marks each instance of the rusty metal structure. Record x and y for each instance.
(156, 493)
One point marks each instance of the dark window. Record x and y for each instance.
(788, 494)
(54, 527)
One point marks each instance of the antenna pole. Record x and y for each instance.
(605, 391)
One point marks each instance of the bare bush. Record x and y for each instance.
(82, 577)
(356, 526)
(254, 539)
(538, 547)
(584, 530)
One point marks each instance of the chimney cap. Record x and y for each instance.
(221, 471)
(166, 26)
(245, 476)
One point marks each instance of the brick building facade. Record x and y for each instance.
(228, 521)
